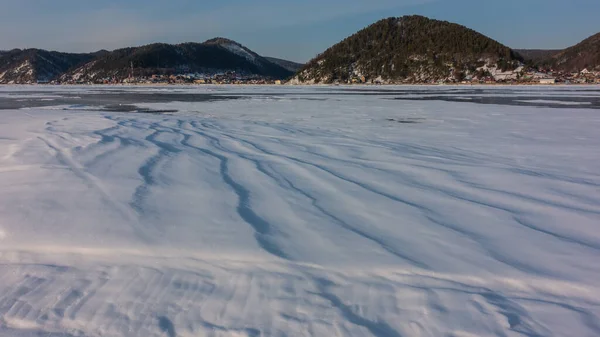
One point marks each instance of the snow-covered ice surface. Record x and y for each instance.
(314, 211)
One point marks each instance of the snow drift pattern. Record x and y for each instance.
(310, 213)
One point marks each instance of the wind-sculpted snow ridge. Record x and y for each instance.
(316, 212)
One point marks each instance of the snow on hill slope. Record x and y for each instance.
(241, 51)
(299, 212)
(36, 65)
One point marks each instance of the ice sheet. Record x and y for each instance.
(302, 212)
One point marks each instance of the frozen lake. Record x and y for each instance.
(299, 211)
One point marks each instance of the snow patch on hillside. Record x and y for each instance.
(23, 71)
(80, 73)
(240, 51)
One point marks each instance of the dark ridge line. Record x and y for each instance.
(263, 229)
(339, 221)
(146, 170)
(428, 213)
(525, 224)
(378, 329)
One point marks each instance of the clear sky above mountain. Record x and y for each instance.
(295, 30)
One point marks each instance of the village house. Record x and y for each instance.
(547, 80)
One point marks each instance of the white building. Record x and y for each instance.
(547, 80)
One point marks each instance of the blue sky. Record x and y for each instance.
(295, 30)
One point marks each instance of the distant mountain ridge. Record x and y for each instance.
(409, 49)
(289, 65)
(537, 55)
(218, 55)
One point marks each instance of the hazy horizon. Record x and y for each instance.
(292, 31)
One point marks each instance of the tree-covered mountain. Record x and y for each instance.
(36, 65)
(584, 55)
(213, 56)
(410, 49)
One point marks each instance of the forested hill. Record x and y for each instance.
(213, 56)
(409, 49)
(584, 55)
